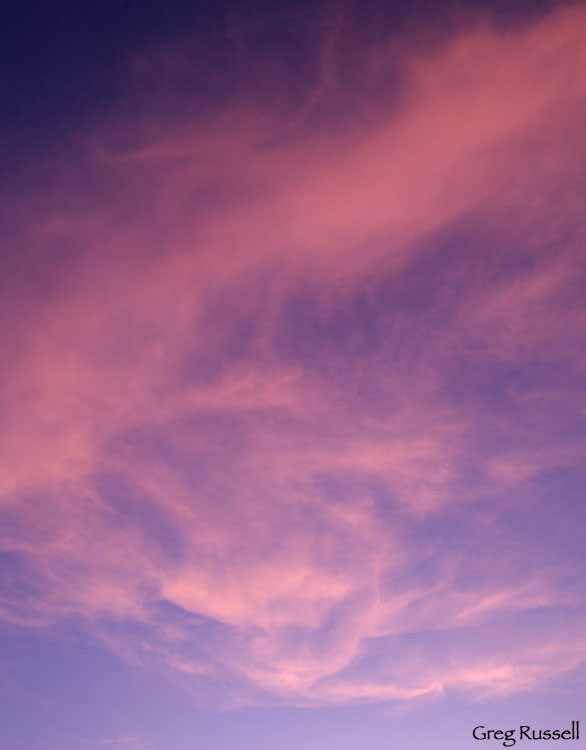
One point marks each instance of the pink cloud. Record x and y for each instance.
(178, 453)
(134, 743)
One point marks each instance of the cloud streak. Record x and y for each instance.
(279, 396)
(134, 743)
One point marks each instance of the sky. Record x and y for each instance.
(292, 387)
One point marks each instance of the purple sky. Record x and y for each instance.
(292, 396)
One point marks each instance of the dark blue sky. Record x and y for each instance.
(62, 62)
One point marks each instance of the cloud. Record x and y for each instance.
(134, 743)
(114, 741)
(275, 389)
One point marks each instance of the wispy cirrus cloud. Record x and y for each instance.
(134, 743)
(279, 392)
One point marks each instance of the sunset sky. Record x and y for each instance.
(292, 406)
